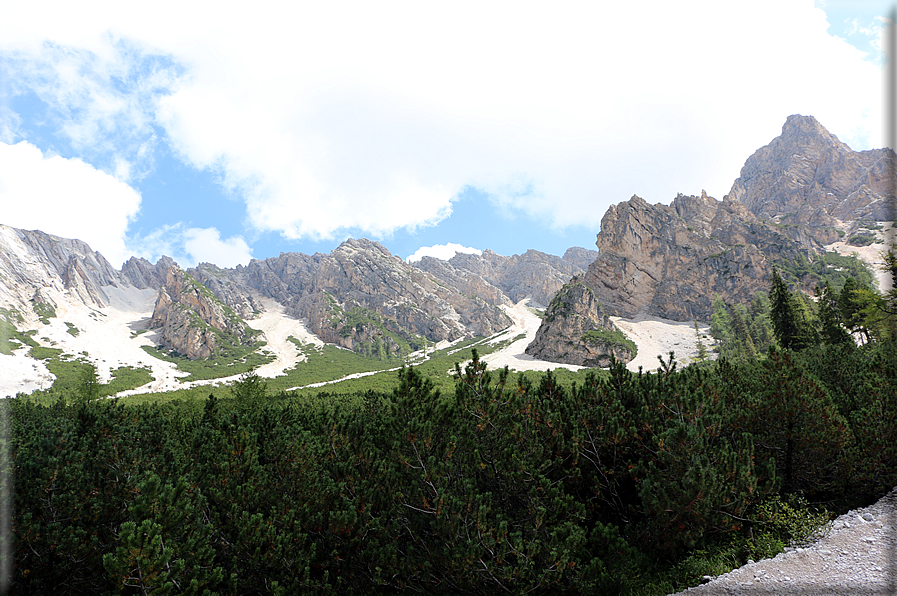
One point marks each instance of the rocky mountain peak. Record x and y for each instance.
(801, 132)
(35, 260)
(142, 274)
(807, 176)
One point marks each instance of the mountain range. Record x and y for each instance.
(795, 196)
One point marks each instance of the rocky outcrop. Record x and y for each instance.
(807, 176)
(142, 274)
(193, 322)
(575, 330)
(32, 261)
(363, 298)
(232, 293)
(670, 260)
(498, 279)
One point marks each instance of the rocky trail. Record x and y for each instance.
(857, 555)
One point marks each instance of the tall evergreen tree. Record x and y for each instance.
(745, 345)
(830, 316)
(790, 320)
(720, 326)
(761, 326)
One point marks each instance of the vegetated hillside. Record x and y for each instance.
(672, 260)
(358, 297)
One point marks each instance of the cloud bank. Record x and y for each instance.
(66, 197)
(374, 117)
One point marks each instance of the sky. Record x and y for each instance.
(222, 132)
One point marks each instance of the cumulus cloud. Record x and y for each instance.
(191, 246)
(205, 245)
(371, 117)
(65, 197)
(442, 251)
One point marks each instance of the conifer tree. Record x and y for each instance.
(720, 327)
(702, 349)
(830, 316)
(742, 335)
(761, 326)
(790, 320)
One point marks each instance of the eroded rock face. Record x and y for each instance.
(227, 290)
(363, 298)
(192, 321)
(670, 260)
(33, 261)
(142, 274)
(807, 176)
(501, 279)
(575, 330)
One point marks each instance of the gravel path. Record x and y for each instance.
(857, 556)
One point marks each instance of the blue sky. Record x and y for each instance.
(219, 135)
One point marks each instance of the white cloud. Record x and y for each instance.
(205, 245)
(65, 197)
(373, 116)
(442, 251)
(190, 246)
(102, 104)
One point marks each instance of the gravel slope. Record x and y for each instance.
(856, 556)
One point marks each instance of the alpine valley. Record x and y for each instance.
(657, 271)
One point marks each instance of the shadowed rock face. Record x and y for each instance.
(193, 321)
(807, 176)
(572, 331)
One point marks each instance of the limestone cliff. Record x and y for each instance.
(807, 176)
(363, 298)
(142, 274)
(227, 290)
(575, 330)
(670, 260)
(193, 322)
(33, 263)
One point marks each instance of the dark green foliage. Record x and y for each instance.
(615, 483)
(790, 318)
(829, 267)
(88, 383)
(613, 339)
(832, 322)
(742, 332)
(861, 239)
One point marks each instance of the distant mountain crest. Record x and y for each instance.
(807, 176)
(671, 260)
